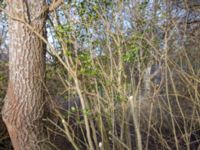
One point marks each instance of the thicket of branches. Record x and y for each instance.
(128, 74)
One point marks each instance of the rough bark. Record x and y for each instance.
(23, 108)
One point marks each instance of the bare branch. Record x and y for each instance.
(55, 4)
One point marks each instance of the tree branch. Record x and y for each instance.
(55, 4)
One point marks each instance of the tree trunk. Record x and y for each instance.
(23, 108)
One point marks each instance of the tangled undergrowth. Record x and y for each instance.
(122, 77)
